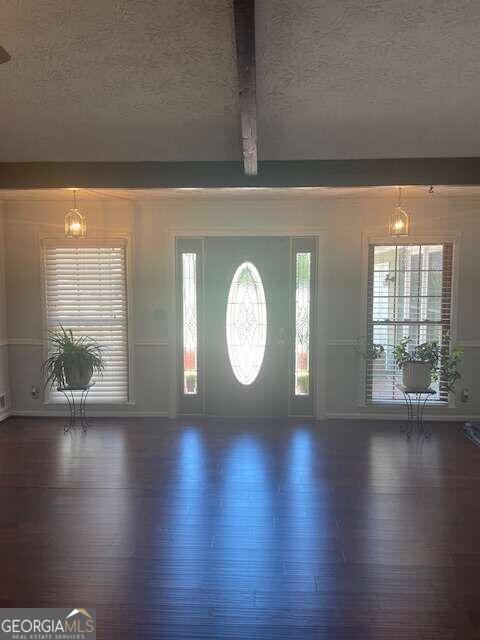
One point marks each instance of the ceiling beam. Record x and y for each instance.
(288, 173)
(244, 13)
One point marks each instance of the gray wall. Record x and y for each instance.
(343, 221)
(4, 378)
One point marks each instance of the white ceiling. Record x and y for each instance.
(156, 80)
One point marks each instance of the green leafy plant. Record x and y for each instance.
(374, 351)
(303, 383)
(191, 381)
(68, 353)
(427, 352)
(443, 360)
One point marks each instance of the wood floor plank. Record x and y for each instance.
(243, 528)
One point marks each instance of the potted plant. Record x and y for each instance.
(426, 362)
(191, 382)
(374, 351)
(72, 361)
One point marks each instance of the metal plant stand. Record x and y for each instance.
(77, 402)
(416, 402)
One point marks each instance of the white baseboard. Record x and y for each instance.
(43, 413)
(164, 414)
(449, 417)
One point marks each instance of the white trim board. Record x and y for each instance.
(28, 342)
(369, 238)
(43, 413)
(175, 233)
(232, 232)
(164, 342)
(465, 344)
(400, 416)
(164, 414)
(468, 344)
(37, 342)
(104, 238)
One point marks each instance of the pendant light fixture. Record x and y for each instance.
(399, 220)
(75, 223)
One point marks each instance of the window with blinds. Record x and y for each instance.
(86, 291)
(409, 295)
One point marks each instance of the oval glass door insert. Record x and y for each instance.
(246, 323)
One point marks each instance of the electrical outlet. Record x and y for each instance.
(34, 393)
(465, 395)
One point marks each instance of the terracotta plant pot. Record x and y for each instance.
(417, 376)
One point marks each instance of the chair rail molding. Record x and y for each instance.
(38, 342)
(341, 342)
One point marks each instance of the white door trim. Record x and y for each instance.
(173, 234)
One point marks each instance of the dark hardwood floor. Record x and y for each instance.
(243, 529)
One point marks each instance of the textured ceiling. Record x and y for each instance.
(156, 80)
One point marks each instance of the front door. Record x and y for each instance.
(247, 316)
(245, 319)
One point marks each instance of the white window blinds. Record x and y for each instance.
(409, 295)
(86, 291)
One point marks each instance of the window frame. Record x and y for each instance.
(93, 240)
(420, 239)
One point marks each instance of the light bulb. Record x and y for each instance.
(399, 222)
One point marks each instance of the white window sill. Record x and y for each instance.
(107, 403)
(399, 403)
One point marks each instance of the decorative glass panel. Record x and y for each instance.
(190, 355)
(246, 323)
(302, 324)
